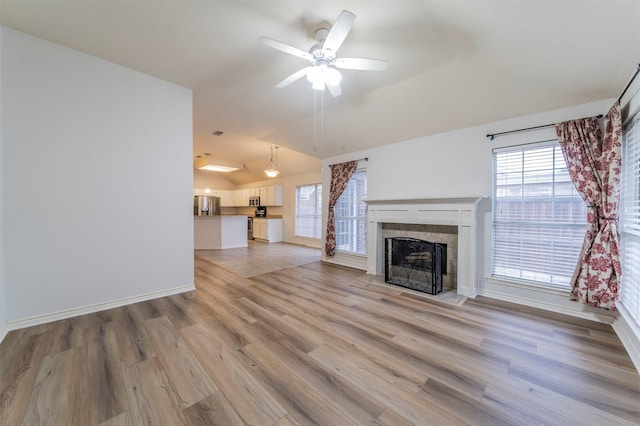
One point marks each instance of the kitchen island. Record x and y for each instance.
(219, 232)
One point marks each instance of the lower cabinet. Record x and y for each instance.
(269, 230)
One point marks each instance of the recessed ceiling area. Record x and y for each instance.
(452, 65)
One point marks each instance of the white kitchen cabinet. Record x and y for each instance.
(225, 195)
(272, 195)
(263, 195)
(269, 230)
(269, 196)
(226, 198)
(241, 198)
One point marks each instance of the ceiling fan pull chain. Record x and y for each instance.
(322, 119)
(315, 121)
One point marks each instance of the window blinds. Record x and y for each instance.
(630, 220)
(539, 219)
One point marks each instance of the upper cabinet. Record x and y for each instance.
(241, 198)
(270, 196)
(225, 195)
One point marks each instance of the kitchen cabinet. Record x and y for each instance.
(226, 198)
(225, 195)
(269, 230)
(272, 195)
(241, 197)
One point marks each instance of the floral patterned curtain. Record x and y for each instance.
(340, 175)
(594, 164)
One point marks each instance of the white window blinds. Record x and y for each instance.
(539, 219)
(629, 215)
(309, 211)
(351, 216)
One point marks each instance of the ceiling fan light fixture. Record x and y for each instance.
(272, 168)
(315, 74)
(318, 85)
(325, 64)
(322, 75)
(332, 76)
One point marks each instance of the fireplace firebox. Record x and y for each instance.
(415, 264)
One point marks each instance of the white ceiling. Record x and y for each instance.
(452, 64)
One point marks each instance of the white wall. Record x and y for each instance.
(98, 180)
(3, 304)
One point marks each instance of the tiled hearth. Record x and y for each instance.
(454, 218)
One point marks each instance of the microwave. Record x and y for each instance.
(254, 201)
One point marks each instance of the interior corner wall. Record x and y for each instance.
(97, 174)
(3, 304)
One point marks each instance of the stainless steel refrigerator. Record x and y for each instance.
(204, 205)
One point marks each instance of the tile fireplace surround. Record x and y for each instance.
(460, 212)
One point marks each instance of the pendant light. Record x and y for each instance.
(272, 168)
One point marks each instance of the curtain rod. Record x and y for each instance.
(633, 77)
(359, 159)
(492, 136)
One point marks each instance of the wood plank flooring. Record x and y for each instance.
(315, 344)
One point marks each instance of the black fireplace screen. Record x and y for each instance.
(415, 264)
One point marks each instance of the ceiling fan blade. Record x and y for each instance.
(286, 48)
(293, 77)
(361, 64)
(339, 31)
(334, 89)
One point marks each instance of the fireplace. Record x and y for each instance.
(415, 264)
(461, 214)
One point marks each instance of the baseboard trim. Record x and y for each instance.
(89, 309)
(348, 260)
(629, 335)
(607, 318)
(4, 330)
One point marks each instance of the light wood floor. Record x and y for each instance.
(315, 344)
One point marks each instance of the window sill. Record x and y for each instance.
(348, 253)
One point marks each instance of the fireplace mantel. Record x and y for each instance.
(461, 212)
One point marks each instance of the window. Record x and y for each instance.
(309, 211)
(351, 216)
(539, 219)
(630, 220)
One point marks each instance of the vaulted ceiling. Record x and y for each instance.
(452, 64)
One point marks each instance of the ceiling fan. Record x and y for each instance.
(324, 63)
